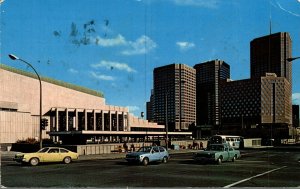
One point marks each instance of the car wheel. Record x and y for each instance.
(234, 158)
(67, 160)
(219, 160)
(34, 161)
(145, 161)
(165, 160)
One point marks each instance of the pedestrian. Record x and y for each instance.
(201, 145)
(132, 148)
(125, 147)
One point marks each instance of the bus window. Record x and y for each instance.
(234, 141)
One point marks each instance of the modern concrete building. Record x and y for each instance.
(296, 116)
(257, 103)
(209, 78)
(175, 93)
(268, 54)
(75, 114)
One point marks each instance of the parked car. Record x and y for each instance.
(148, 154)
(47, 154)
(217, 153)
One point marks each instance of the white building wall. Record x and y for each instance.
(18, 126)
(23, 93)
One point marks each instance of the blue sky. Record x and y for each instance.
(113, 45)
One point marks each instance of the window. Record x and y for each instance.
(53, 150)
(63, 151)
(155, 149)
(161, 149)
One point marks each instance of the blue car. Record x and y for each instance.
(148, 154)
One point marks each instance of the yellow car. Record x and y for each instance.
(47, 154)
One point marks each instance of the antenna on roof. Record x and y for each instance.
(270, 24)
(270, 30)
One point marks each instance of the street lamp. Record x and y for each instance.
(166, 124)
(291, 59)
(14, 57)
(180, 103)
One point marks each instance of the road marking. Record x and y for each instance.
(247, 179)
(252, 161)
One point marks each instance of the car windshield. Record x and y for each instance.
(43, 150)
(145, 149)
(215, 148)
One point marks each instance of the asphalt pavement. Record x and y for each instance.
(267, 167)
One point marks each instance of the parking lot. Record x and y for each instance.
(256, 168)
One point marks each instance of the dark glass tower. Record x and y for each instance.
(209, 77)
(269, 54)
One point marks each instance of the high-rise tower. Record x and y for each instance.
(268, 54)
(209, 76)
(175, 85)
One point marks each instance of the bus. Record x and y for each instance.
(236, 142)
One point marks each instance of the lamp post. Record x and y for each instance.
(166, 103)
(14, 57)
(180, 103)
(290, 60)
(166, 110)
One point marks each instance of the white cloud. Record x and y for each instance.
(141, 46)
(184, 45)
(117, 41)
(73, 71)
(102, 77)
(198, 3)
(296, 98)
(113, 65)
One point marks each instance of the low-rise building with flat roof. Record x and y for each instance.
(75, 114)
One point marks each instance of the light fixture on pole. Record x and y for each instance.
(14, 57)
(166, 124)
(291, 59)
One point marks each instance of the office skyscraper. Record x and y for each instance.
(257, 103)
(209, 77)
(176, 85)
(268, 54)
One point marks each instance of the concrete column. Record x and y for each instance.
(76, 119)
(67, 120)
(56, 120)
(85, 120)
(123, 121)
(127, 122)
(109, 113)
(117, 120)
(94, 114)
(102, 119)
